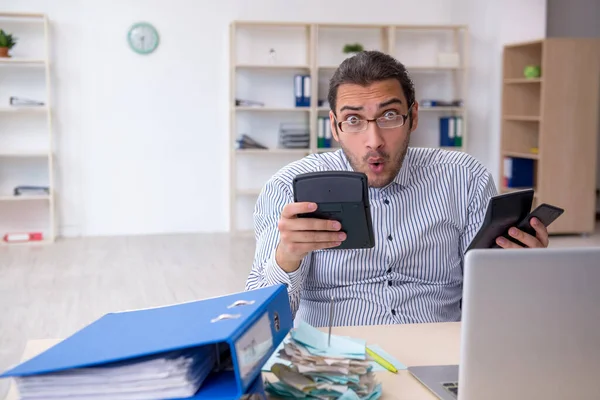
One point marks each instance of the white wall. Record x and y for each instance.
(143, 141)
(493, 24)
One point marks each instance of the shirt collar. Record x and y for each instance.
(403, 176)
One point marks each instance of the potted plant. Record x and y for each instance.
(352, 48)
(7, 42)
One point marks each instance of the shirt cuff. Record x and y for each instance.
(276, 275)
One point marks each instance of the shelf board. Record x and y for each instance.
(429, 27)
(21, 15)
(511, 81)
(531, 156)
(23, 109)
(263, 24)
(333, 25)
(416, 68)
(432, 68)
(22, 154)
(42, 242)
(425, 109)
(273, 109)
(273, 151)
(328, 66)
(450, 148)
(537, 42)
(24, 61)
(440, 109)
(521, 118)
(270, 66)
(327, 149)
(24, 198)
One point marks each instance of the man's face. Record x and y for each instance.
(377, 152)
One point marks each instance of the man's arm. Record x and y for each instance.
(265, 269)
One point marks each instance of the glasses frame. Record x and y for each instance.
(404, 118)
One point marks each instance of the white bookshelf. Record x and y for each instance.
(26, 141)
(316, 49)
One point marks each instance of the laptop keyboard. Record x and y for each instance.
(452, 387)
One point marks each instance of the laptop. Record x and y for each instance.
(530, 327)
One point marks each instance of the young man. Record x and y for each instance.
(427, 205)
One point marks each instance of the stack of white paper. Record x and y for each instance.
(309, 366)
(172, 375)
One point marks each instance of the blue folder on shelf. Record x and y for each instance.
(223, 342)
(447, 132)
(299, 90)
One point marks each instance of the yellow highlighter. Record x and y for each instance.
(379, 360)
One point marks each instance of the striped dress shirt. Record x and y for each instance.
(423, 221)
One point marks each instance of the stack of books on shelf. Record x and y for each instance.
(432, 103)
(246, 142)
(248, 103)
(294, 136)
(25, 102)
(31, 191)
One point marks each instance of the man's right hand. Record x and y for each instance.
(299, 236)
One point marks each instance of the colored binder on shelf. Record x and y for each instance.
(518, 172)
(298, 89)
(320, 132)
(458, 122)
(327, 128)
(445, 140)
(222, 341)
(451, 132)
(306, 91)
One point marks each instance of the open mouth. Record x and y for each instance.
(376, 167)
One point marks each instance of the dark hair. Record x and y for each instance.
(367, 67)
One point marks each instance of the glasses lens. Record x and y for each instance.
(391, 122)
(354, 126)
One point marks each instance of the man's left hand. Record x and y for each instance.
(539, 240)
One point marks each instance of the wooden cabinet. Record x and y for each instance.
(553, 120)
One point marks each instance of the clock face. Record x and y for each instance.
(143, 38)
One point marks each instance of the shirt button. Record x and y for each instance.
(390, 237)
(393, 312)
(386, 201)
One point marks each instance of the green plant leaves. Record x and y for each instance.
(7, 40)
(353, 48)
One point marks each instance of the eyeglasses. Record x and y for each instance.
(355, 125)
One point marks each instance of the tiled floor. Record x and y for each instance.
(54, 290)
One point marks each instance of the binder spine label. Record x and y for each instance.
(327, 129)
(252, 347)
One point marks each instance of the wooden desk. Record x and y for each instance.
(419, 344)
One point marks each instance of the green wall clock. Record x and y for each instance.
(143, 38)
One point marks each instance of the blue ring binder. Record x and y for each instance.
(241, 303)
(225, 316)
(235, 348)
